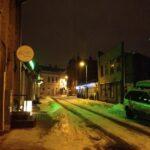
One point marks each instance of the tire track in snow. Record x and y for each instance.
(129, 126)
(123, 145)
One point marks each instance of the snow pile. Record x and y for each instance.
(69, 132)
(64, 135)
(62, 125)
(117, 110)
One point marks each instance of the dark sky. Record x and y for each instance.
(60, 29)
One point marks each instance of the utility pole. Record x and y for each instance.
(99, 55)
(122, 72)
(86, 75)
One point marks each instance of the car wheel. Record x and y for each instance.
(129, 113)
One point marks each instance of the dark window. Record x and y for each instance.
(102, 71)
(52, 79)
(48, 79)
(56, 79)
(106, 69)
(118, 64)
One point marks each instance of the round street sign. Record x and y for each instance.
(25, 53)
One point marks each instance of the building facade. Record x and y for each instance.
(54, 82)
(10, 23)
(29, 85)
(118, 71)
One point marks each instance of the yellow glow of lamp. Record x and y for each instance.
(112, 65)
(82, 64)
(66, 77)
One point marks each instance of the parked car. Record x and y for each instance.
(145, 84)
(137, 103)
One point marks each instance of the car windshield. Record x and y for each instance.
(139, 96)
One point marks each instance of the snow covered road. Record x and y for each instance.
(65, 123)
(125, 135)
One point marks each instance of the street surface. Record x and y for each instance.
(67, 123)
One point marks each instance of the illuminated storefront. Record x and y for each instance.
(89, 90)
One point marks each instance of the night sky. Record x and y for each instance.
(61, 29)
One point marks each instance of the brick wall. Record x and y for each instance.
(9, 35)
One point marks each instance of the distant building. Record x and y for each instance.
(119, 71)
(89, 89)
(54, 81)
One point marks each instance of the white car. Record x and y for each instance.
(137, 103)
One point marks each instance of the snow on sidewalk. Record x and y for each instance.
(61, 130)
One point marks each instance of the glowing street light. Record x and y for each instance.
(66, 77)
(82, 64)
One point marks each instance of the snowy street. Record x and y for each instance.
(68, 123)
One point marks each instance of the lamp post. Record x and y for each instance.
(82, 64)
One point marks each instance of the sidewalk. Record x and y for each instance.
(25, 138)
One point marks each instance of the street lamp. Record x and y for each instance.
(66, 77)
(82, 64)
